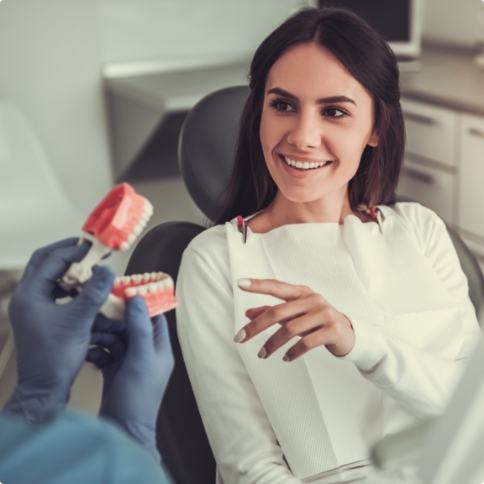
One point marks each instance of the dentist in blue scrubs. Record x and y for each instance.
(43, 442)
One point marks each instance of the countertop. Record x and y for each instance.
(449, 77)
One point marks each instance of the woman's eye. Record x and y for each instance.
(331, 112)
(282, 106)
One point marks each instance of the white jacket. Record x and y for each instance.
(400, 283)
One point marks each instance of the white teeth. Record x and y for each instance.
(125, 246)
(153, 287)
(154, 276)
(136, 278)
(146, 276)
(131, 238)
(117, 280)
(142, 290)
(137, 230)
(168, 281)
(131, 291)
(148, 207)
(305, 165)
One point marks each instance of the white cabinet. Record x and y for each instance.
(471, 176)
(430, 186)
(431, 131)
(444, 167)
(430, 165)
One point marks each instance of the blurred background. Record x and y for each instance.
(93, 93)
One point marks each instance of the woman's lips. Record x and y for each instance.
(301, 173)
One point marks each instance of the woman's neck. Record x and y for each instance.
(283, 212)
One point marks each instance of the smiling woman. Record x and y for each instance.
(323, 78)
(297, 124)
(338, 316)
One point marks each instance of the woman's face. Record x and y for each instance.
(314, 112)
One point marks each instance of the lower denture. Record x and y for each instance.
(158, 299)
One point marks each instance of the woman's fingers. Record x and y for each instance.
(304, 313)
(254, 312)
(301, 326)
(273, 287)
(281, 314)
(309, 342)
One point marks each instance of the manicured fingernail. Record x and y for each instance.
(240, 336)
(285, 358)
(262, 353)
(243, 282)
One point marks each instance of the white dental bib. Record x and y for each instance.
(323, 411)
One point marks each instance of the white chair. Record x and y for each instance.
(34, 210)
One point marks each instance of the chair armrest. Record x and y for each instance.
(402, 448)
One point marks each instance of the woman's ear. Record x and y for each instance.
(373, 141)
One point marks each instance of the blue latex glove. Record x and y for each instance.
(52, 339)
(135, 371)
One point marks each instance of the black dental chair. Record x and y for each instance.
(206, 150)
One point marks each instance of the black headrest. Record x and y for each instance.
(207, 145)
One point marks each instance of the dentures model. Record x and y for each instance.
(115, 224)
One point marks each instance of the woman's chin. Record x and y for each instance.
(302, 195)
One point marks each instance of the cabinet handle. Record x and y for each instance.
(420, 118)
(476, 132)
(419, 176)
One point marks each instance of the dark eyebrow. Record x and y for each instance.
(323, 100)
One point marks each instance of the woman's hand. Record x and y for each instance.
(305, 314)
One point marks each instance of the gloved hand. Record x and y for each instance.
(135, 371)
(52, 339)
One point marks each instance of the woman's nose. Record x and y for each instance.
(306, 133)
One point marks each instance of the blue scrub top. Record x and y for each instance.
(75, 449)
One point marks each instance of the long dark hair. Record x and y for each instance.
(369, 59)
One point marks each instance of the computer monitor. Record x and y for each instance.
(398, 21)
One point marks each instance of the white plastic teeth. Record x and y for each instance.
(162, 280)
(143, 221)
(305, 165)
(149, 288)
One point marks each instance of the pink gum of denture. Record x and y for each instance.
(156, 289)
(117, 220)
(114, 224)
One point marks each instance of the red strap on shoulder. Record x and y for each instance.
(373, 212)
(240, 222)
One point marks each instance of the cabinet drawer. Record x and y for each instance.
(431, 131)
(471, 189)
(430, 186)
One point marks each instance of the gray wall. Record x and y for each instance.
(152, 29)
(50, 57)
